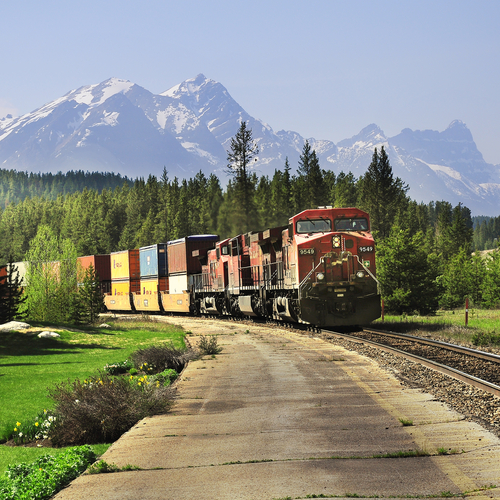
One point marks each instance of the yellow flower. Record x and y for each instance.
(18, 424)
(138, 383)
(44, 411)
(15, 429)
(36, 424)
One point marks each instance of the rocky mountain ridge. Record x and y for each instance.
(118, 126)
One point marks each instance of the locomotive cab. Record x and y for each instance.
(333, 260)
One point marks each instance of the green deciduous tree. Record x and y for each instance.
(50, 278)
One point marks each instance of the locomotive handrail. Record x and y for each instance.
(370, 273)
(308, 276)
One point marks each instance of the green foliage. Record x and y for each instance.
(50, 279)
(118, 368)
(243, 149)
(482, 338)
(209, 345)
(166, 377)
(11, 295)
(89, 298)
(407, 273)
(45, 476)
(382, 195)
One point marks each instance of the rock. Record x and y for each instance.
(47, 335)
(104, 325)
(13, 326)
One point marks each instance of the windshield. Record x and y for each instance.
(314, 226)
(358, 224)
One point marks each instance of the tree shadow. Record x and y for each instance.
(14, 344)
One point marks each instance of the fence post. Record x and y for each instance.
(466, 311)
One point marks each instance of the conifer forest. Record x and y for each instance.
(425, 256)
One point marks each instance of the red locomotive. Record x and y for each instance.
(319, 270)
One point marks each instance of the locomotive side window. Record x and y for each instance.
(355, 224)
(314, 226)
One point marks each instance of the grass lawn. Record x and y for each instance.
(29, 365)
(450, 325)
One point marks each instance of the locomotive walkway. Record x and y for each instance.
(284, 415)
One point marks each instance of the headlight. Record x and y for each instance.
(336, 241)
(320, 276)
(360, 274)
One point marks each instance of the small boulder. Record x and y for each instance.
(47, 335)
(104, 325)
(13, 326)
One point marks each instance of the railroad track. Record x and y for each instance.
(477, 368)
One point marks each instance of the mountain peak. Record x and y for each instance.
(190, 86)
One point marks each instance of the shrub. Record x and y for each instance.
(45, 476)
(157, 358)
(486, 338)
(209, 346)
(166, 377)
(119, 367)
(100, 409)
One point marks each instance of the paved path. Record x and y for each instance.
(284, 415)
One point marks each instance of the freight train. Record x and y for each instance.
(319, 270)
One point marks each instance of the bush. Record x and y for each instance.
(45, 476)
(207, 346)
(486, 338)
(100, 409)
(166, 377)
(118, 368)
(157, 358)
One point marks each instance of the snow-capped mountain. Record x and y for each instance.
(119, 126)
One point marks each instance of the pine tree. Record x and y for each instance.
(407, 273)
(312, 178)
(90, 296)
(11, 295)
(382, 195)
(240, 155)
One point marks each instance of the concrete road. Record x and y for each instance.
(283, 415)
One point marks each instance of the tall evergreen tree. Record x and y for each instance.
(11, 295)
(240, 155)
(383, 196)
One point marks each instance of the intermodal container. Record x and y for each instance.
(124, 287)
(100, 263)
(153, 286)
(180, 253)
(153, 261)
(125, 265)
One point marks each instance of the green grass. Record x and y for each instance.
(483, 326)
(29, 365)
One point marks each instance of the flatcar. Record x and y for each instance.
(319, 270)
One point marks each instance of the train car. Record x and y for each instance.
(329, 269)
(319, 270)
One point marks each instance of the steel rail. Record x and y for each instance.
(488, 356)
(446, 370)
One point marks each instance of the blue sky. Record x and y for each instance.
(323, 68)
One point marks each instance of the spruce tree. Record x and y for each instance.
(240, 155)
(11, 295)
(383, 196)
